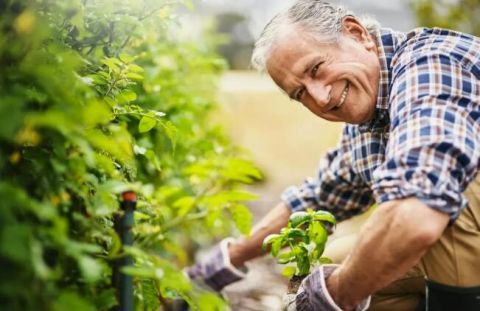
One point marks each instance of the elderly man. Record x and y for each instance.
(411, 144)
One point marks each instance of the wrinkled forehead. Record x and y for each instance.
(293, 38)
(292, 47)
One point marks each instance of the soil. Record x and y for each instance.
(294, 284)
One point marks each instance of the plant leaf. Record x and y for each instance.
(299, 218)
(269, 239)
(242, 217)
(325, 260)
(289, 271)
(276, 246)
(146, 124)
(324, 216)
(127, 96)
(126, 58)
(286, 257)
(317, 232)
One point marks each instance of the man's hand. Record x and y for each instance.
(220, 267)
(216, 271)
(313, 293)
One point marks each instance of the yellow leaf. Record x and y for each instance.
(24, 22)
(15, 157)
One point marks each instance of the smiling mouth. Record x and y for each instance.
(343, 96)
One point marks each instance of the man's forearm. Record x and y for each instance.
(392, 241)
(251, 247)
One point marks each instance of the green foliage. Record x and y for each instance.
(100, 97)
(459, 15)
(304, 237)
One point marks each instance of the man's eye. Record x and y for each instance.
(315, 69)
(299, 94)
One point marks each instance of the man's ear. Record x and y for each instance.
(352, 28)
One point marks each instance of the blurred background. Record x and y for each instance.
(286, 140)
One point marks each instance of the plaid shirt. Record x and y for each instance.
(424, 139)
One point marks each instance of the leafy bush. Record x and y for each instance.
(99, 97)
(459, 15)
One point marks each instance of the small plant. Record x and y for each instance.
(301, 244)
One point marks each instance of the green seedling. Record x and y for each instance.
(300, 245)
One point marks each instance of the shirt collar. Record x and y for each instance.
(387, 43)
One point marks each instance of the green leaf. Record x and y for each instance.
(15, 242)
(96, 79)
(184, 205)
(154, 160)
(318, 233)
(317, 252)
(91, 269)
(276, 246)
(106, 299)
(302, 259)
(225, 197)
(143, 272)
(146, 124)
(126, 96)
(286, 257)
(241, 170)
(269, 239)
(303, 264)
(96, 112)
(71, 301)
(112, 187)
(135, 68)
(171, 132)
(11, 108)
(289, 271)
(126, 58)
(134, 76)
(121, 150)
(324, 216)
(296, 234)
(299, 218)
(211, 301)
(242, 217)
(42, 270)
(112, 63)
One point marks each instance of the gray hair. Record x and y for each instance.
(317, 19)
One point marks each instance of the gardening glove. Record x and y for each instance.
(216, 271)
(313, 293)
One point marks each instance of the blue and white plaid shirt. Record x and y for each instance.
(424, 140)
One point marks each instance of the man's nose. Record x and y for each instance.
(320, 92)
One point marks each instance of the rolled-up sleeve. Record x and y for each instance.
(434, 145)
(336, 188)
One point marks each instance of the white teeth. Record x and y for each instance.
(343, 96)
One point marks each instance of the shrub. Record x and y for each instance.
(99, 97)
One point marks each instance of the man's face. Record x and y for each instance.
(336, 81)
